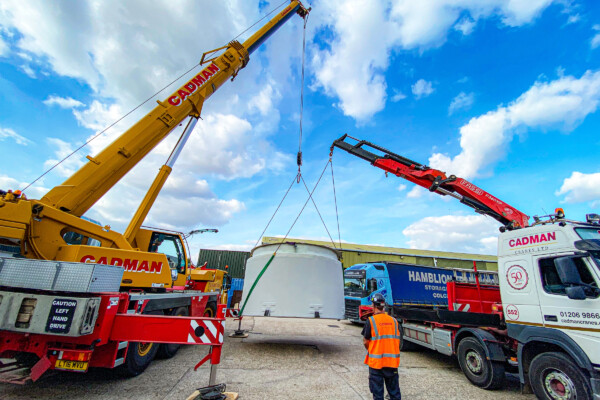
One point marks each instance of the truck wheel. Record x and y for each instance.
(139, 355)
(210, 311)
(168, 350)
(554, 376)
(477, 368)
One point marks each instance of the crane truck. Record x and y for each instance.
(75, 294)
(541, 321)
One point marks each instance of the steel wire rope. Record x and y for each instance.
(140, 105)
(303, 207)
(281, 243)
(318, 212)
(337, 216)
(299, 156)
(273, 216)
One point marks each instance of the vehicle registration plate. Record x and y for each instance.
(71, 365)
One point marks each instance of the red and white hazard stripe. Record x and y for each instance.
(232, 313)
(462, 307)
(205, 332)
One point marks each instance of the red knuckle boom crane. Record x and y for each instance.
(436, 181)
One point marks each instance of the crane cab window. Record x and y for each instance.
(71, 237)
(551, 281)
(169, 245)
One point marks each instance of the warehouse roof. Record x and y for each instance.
(364, 248)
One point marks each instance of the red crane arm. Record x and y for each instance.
(437, 181)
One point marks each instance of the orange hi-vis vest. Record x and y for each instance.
(384, 346)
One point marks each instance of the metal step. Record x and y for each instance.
(11, 371)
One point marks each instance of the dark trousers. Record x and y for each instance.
(388, 375)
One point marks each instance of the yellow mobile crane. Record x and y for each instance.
(52, 228)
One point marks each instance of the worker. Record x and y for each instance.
(381, 337)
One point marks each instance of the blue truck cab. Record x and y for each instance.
(401, 284)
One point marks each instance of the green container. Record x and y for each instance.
(219, 259)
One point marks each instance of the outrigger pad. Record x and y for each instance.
(238, 335)
(216, 392)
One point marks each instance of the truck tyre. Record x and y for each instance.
(211, 310)
(555, 376)
(168, 350)
(482, 372)
(406, 345)
(139, 355)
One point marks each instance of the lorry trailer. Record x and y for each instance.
(402, 284)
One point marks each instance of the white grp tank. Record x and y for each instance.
(303, 281)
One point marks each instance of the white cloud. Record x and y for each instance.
(416, 192)
(422, 88)
(458, 233)
(560, 104)
(573, 18)
(223, 145)
(63, 102)
(98, 116)
(263, 101)
(401, 187)
(465, 26)
(579, 188)
(26, 68)
(352, 69)
(462, 101)
(35, 191)
(3, 47)
(66, 167)
(367, 32)
(595, 42)
(207, 212)
(7, 133)
(398, 95)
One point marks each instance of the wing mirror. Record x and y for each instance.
(569, 275)
(372, 285)
(567, 271)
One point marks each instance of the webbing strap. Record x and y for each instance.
(255, 282)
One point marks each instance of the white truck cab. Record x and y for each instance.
(550, 288)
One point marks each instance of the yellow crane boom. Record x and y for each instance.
(52, 228)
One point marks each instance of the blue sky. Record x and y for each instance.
(503, 93)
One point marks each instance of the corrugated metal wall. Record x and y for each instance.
(218, 259)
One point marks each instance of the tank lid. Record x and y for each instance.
(337, 252)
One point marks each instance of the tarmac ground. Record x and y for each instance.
(283, 358)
